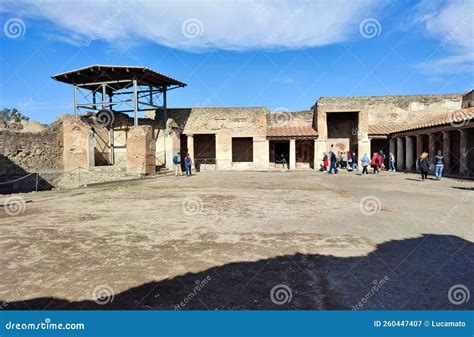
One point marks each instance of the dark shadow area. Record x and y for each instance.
(418, 274)
(464, 188)
(15, 179)
(419, 180)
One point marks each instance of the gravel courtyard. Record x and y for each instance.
(243, 240)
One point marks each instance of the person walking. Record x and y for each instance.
(391, 158)
(380, 159)
(355, 162)
(423, 165)
(365, 164)
(325, 162)
(349, 160)
(344, 160)
(188, 162)
(177, 164)
(439, 165)
(333, 162)
(375, 163)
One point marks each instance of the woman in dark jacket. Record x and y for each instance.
(424, 165)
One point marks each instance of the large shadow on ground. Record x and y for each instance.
(15, 179)
(417, 273)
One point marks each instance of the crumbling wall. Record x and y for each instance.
(27, 148)
(23, 150)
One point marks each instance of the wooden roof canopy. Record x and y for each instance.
(90, 77)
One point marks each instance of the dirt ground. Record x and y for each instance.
(243, 240)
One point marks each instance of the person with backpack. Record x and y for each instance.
(439, 165)
(188, 162)
(365, 161)
(424, 165)
(177, 164)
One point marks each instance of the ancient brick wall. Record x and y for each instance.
(393, 109)
(22, 150)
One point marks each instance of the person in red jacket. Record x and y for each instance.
(375, 163)
(380, 161)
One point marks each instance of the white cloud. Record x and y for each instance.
(229, 25)
(452, 23)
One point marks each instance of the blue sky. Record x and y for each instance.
(282, 55)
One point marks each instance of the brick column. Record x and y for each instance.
(463, 169)
(409, 153)
(447, 151)
(78, 144)
(400, 155)
(140, 152)
(292, 154)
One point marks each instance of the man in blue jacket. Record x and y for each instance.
(333, 165)
(177, 164)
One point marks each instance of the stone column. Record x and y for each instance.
(190, 146)
(260, 153)
(463, 169)
(409, 153)
(172, 147)
(267, 151)
(316, 159)
(363, 141)
(400, 155)
(320, 144)
(419, 148)
(431, 149)
(292, 154)
(223, 151)
(393, 146)
(140, 154)
(447, 151)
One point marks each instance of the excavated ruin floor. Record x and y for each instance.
(242, 240)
